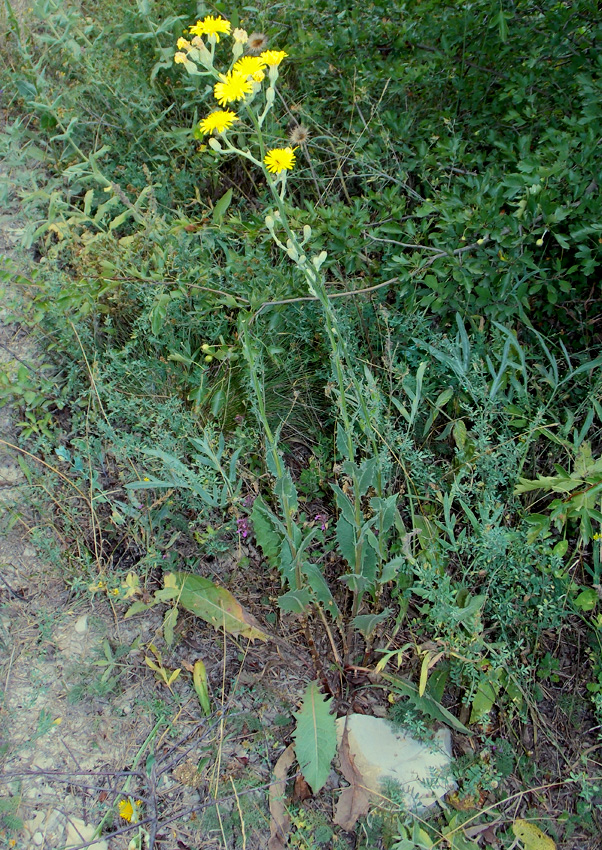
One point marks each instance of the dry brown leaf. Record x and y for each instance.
(280, 822)
(301, 791)
(355, 800)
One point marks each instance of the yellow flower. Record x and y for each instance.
(273, 57)
(240, 36)
(211, 26)
(126, 810)
(180, 59)
(279, 159)
(248, 65)
(232, 87)
(218, 121)
(258, 76)
(183, 44)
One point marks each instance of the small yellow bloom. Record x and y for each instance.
(231, 87)
(258, 77)
(126, 810)
(273, 57)
(218, 122)
(248, 65)
(279, 159)
(180, 59)
(183, 44)
(212, 27)
(240, 36)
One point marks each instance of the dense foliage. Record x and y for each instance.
(451, 173)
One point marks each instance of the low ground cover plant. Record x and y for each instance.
(320, 302)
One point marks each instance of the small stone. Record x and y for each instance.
(38, 839)
(81, 624)
(29, 552)
(382, 753)
(79, 832)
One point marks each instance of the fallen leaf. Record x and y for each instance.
(280, 823)
(531, 836)
(484, 829)
(214, 604)
(354, 801)
(301, 791)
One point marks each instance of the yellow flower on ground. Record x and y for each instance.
(231, 87)
(180, 59)
(248, 65)
(183, 44)
(279, 159)
(212, 26)
(218, 121)
(240, 36)
(126, 810)
(258, 76)
(273, 57)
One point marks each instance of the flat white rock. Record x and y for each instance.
(79, 833)
(381, 753)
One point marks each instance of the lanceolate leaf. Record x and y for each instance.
(214, 604)
(315, 737)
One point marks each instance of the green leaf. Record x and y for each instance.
(295, 601)
(587, 599)
(214, 604)
(366, 623)
(199, 680)
(315, 737)
(484, 698)
(346, 540)
(135, 608)
(169, 622)
(425, 703)
(265, 534)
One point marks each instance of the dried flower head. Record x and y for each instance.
(299, 134)
(240, 35)
(257, 42)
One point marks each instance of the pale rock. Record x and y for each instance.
(38, 839)
(33, 826)
(382, 754)
(81, 624)
(29, 552)
(79, 832)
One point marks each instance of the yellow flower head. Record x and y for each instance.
(248, 65)
(126, 810)
(212, 26)
(258, 76)
(183, 44)
(180, 59)
(231, 87)
(218, 121)
(240, 36)
(273, 57)
(279, 159)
